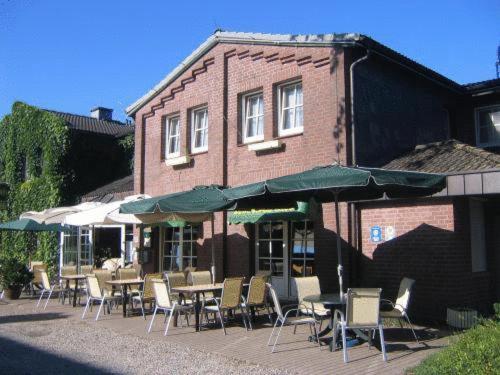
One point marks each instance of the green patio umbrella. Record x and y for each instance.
(196, 205)
(29, 225)
(335, 183)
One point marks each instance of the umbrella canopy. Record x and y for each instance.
(29, 225)
(108, 213)
(58, 214)
(334, 183)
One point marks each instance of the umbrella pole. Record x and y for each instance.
(340, 267)
(213, 248)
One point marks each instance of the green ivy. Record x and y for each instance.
(127, 143)
(33, 147)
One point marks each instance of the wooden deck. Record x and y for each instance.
(294, 353)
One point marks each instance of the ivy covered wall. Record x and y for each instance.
(33, 147)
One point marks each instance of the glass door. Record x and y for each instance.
(271, 253)
(301, 252)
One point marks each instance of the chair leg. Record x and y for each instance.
(100, 308)
(89, 300)
(269, 314)
(168, 323)
(249, 318)
(295, 328)
(48, 298)
(382, 342)
(317, 336)
(344, 344)
(272, 332)
(277, 336)
(142, 309)
(152, 319)
(411, 327)
(41, 295)
(221, 317)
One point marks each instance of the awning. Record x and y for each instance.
(301, 212)
(29, 225)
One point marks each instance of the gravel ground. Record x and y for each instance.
(44, 343)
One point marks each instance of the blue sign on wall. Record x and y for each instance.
(376, 234)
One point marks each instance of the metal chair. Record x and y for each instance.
(46, 287)
(399, 309)
(230, 300)
(165, 303)
(362, 312)
(68, 287)
(147, 294)
(257, 295)
(307, 286)
(96, 294)
(286, 321)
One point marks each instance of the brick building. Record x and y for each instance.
(245, 107)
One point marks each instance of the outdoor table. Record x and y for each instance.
(330, 301)
(197, 289)
(124, 284)
(76, 278)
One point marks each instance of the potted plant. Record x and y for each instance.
(14, 276)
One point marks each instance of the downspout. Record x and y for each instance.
(351, 83)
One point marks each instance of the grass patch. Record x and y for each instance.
(476, 351)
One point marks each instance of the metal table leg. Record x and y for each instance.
(124, 300)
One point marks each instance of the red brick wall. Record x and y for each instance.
(432, 246)
(226, 72)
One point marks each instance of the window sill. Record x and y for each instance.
(179, 160)
(262, 146)
(290, 133)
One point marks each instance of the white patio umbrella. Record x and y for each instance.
(57, 215)
(103, 214)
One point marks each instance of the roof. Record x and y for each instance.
(310, 40)
(449, 156)
(90, 124)
(107, 192)
(480, 87)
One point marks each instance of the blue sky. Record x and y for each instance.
(73, 55)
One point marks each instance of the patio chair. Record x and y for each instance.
(128, 273)
(146, 295)
(230, 300)
(96, 294)
(266, 274)
(35, 267)
(46, 287)
(68, 288)
(87, 269)
(285, 320)
(307, 286)
(176, 279)
(103, 276)
(257, 295)
(165, 303)
(399, 309)
(362, 312)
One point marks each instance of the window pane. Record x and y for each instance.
(264, 230)
(310, 268)
(264, 265)
(299, 117)
(287, 119)
(263, 248)
(251, 127)
(298, 101)
(277, 230)
(298, 248)
(260, 126)
(277, 249)
(309, 249)
(297, 268)
(277, 267)
(288, 97)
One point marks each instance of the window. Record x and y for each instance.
(85, 247)
(270, 247)
(488, 126)
(291, 117)
(180, 248)
(253, 117)
(302, 258)
(199, 130)
(129, 243)
(70, 246)
(172, 137)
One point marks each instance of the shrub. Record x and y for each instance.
(477, 351)
(14, 273)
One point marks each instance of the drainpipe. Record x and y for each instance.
(353, 127)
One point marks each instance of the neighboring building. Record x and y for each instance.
(245, 107)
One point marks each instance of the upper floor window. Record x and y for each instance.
(488, 126)
(291, 119)
(199, 130)
(172, 134)
(253, 117)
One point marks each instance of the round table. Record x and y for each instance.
(330, 301)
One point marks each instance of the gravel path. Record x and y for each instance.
(44, 343)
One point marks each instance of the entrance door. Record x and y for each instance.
(272, 253)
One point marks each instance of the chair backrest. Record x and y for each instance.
(112, 264)
(200, 277)
(188, 270)
(306, 286)
(93, 287)
(257, 290)
(231, 292)
(126, 273)
(34, 263)
(266, 274)
(403, 299)
(103, 276)
(148, 284)
(87, 269)
(36, 268)
(276, 301)
(363, 306)
(44, 279)
(160, 292)
(68, 270)
(175, 279)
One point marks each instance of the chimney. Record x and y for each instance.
(101, 113)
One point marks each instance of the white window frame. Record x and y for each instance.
(169, 136)
(281, 109)
(477, 111)
(194, 112)
(184, 254)
(245, 117)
